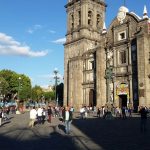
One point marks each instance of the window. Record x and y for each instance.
(98, 19)
(93, 65)
(133, 47)
(149, 58)
(72, 21)
(79, 16)
(89, 18)
(121, 35)
(122, 57)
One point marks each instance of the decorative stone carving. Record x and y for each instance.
(122, 14)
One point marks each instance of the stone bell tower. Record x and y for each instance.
(85, 19)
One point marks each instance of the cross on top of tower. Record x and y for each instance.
(124, 2)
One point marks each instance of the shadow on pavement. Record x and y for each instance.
(55, 140)
(115, 134)
(6, 122)
(61, 127)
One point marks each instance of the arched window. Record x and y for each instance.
(98, 20)
(89, 17)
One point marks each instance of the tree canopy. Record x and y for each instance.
(15, 85)
(18, 86)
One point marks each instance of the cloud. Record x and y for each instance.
(34, 28)
(37, 26)
(52, 31)
(30, 31)
(8, 46)
(60, 41)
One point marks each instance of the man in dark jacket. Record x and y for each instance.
(49, 112)
(143, 111)
(67, 117)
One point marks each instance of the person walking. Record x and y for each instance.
(33, 116)
(67, 117)
(143, 111)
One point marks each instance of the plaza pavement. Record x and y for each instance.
(90, 134)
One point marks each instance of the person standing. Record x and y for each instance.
(143, 111)
(82, 112)
(33, 115)
(67, 117)
(124, 112)
(39, 115)
(1, 116)
(49, 112)
(43, 115)
(98, 112)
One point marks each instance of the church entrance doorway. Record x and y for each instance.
(92, 98)
(122, 101)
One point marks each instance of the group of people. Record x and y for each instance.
(109, 112)
(4, 114)
(105, 112)
(40, 114)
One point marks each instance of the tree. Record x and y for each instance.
(16, 88)
(37, 93)
(25, 87)
(49, 95)
(3, 86)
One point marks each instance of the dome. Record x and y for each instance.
(123, 9)
(122, 14)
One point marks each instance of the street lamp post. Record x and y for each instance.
(56, 80)
(19, 88)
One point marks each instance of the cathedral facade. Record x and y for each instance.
(106, 66)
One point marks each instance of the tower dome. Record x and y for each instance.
(123, 9)
(122, 14)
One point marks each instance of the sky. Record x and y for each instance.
(32, 33)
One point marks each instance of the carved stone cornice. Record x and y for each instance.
(75, 58)
(81, 38)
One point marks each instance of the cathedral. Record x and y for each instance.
(106, 66)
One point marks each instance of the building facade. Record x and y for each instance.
(102, 65)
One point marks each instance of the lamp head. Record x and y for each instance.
(55, 70)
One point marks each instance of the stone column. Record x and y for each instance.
(130, 90)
